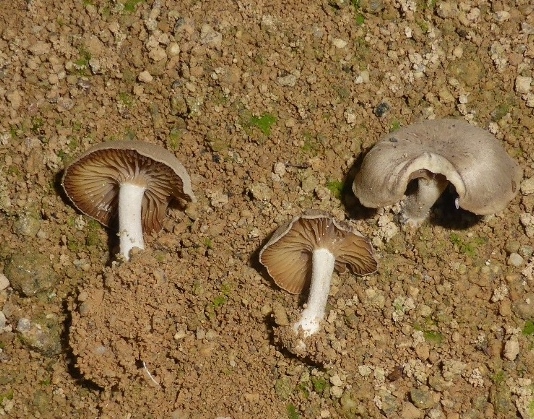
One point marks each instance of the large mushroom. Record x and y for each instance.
(129, 182)
(434, 154)
(305, 252)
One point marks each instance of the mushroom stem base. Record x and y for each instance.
(417, 205)
(323, 262)
(130, 224)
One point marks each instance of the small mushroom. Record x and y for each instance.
(133, 181)
(305, 252)
(435, 153)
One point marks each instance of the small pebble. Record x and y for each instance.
(145, 77)
(3, 321)
(336, 381)
(339, 43)
(289, 81)
(524, 307)
(422, 398)
(522, 84)
(279, 169)
(261, 191)
(336, 391)
(526, 251)
(65, 104)
(389, 403)
(30, 273)
(515, 259)
(26, 225)
(363, 77)
(381, 109)
(157, 54)
(527, 186)
(96, 67)
(511, 349)
(42, 335)
(173, 49)
(15, 98)
(23, 325)
(210, 37)
(4, 282)
(512, 246)
(180, 334)
(422, 351)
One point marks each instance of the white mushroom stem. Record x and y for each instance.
(323, 262)
(130, 225)
(417, 205)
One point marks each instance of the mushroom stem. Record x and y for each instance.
(417, 205)
(323, 262)
(130, 225)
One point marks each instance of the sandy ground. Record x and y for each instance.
(269, 106)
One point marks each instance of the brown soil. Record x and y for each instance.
(269, 106)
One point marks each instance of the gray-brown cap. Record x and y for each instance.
(288, 254)
(92, 181)
(485, 177)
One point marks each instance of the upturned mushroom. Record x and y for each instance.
(127, 182)
(435, 154)
(305, 252)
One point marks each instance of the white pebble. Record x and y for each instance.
(4, 282)
(522, 84)
(336, 381)
(511, 349)
(350, 117)
(279, 168)
(458, 52)
(463, 99)
(527, 220)
(527, 186)
(24, 325)
(363, 77)
(364, 370)
(145, 77)
(173, 49)
(339, 43)
(96, 67)
(336, 391)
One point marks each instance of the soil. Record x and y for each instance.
(269, 105)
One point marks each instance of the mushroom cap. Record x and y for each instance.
(486, 178)
(93, 180)
(288, 254)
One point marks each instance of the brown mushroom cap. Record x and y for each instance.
(288, 254)
(486, 178)
(92, 181)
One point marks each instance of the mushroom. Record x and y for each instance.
(305, 251)
(133, 181)
(435, 154)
